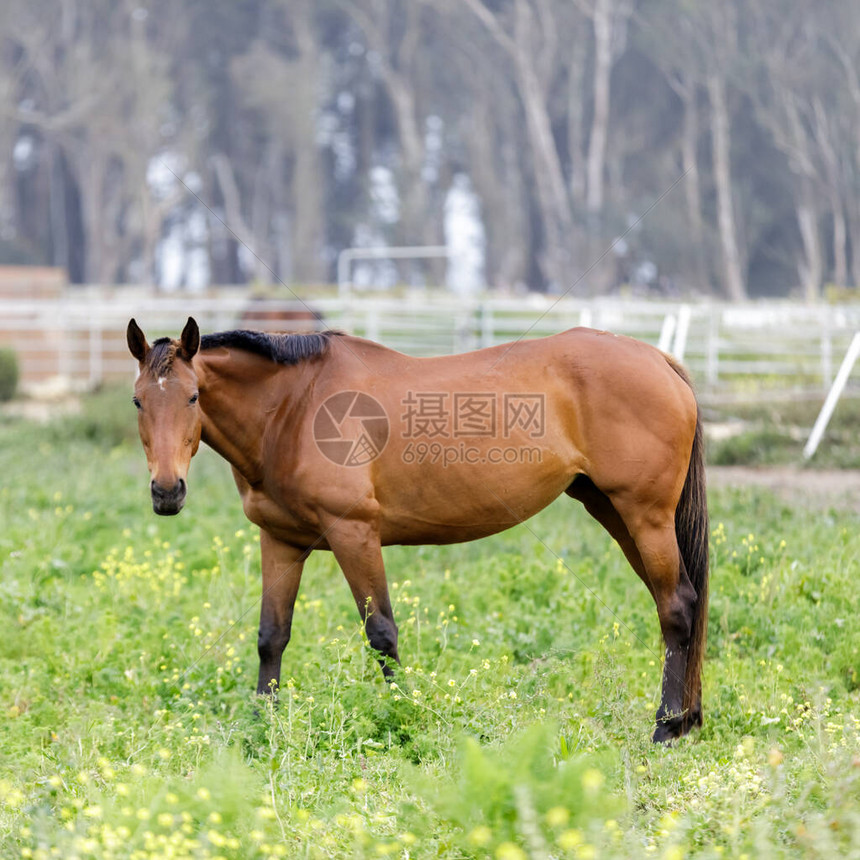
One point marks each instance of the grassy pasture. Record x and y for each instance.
(520, 725)
(775, 432)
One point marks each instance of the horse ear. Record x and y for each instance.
(136, 341)
(190, 339)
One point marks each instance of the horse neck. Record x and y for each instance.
(239, 393)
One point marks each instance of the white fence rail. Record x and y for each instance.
(757, 348)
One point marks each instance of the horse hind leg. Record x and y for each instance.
(665, 574)
(599, 506)
(357, 550)
(650, 546)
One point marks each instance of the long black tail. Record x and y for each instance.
(691, 528)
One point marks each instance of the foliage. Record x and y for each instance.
(527, 792)
(8, 374)
(104, 419)
(680, 127)
(760, 447)
(519, 726)
(775, 434)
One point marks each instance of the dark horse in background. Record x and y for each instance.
(325, 432)
(272, 315)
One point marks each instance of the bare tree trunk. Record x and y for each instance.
(308, 222)
(855, 256)
(826, 138)
(552, 195)
(552, 189)
(846, 221)
(852, 212)
(578, 181)
(236, 223)
(150, 231)
(59, 234)
(416, 225)
(8, 132)
(810, 267)
(798, 146)
(308, 196)
(602, 22)
(116, 240)
(692, 182)
(733, 282)
(497, 178)
(279, 208)
(265, 176)
(90, 182)
(840, 242)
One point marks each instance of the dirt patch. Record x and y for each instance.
(811, 488)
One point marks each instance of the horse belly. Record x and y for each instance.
(465, 505)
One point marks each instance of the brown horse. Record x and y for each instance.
(341, 444)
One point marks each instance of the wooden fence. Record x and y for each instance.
(756, 350)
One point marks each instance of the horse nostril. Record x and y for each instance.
(176, 491)
(168, 501)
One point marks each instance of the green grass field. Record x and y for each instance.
(519, 727)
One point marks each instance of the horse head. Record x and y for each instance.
(168, 414)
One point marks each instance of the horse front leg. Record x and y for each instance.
(282, 566)
(357, 549)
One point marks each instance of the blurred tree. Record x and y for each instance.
(609, 22)
(395, 32)
(259, 135)
(526, 33)
(842, 123)
(95, 132)
(801, 86)
(668, 36)
(279, 78)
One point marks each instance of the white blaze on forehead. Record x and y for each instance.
(161, 381)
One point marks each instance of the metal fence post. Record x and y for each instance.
(96, 375)
(832, 397)
(667, 330)
(487, 335)
(63, 362)
(685, 314)
(371, 323)
(826, 354)
(712, 372)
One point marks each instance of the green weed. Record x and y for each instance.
(519, 724)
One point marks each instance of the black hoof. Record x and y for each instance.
(670, 728)
(665, 734)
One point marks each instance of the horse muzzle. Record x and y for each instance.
(168, 502)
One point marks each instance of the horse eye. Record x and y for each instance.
(136, 402)
(193, 399)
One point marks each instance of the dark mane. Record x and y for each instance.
(280, 348)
